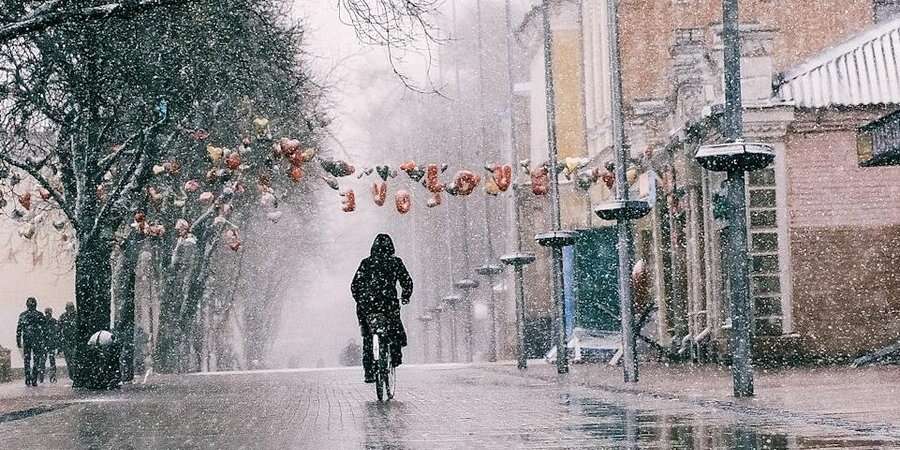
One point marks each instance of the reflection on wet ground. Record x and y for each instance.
(437, 407)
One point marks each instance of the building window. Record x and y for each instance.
(878, 143)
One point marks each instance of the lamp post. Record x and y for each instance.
(519, 261)
(450, 303)
(622, 210)
(556, 238)
(425, 319)
(736, 157)
(490, 271)
(435, 312)
(466, 285)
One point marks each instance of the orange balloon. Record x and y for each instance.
(403, 201)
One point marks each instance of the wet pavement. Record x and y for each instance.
(436, 407)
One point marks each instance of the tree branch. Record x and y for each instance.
(35, 173)
(44, 20)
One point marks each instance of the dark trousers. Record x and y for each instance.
(398, 341)
(50, 360)
(71, 362)
(34, 367)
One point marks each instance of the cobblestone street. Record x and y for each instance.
(436, 407)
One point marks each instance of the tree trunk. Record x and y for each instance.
(93, 299)
(169, 338)
(124, 296)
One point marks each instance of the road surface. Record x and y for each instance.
(443, 406)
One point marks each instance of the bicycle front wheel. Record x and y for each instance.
(384, 370)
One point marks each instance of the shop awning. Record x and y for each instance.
(865, 70)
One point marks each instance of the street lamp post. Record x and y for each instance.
(451, 302)
(466, 285)
(425, 319)
(435, 312)
(490, 271)
(557, 238)
(622, 210)
(518, 261)
(736, 157)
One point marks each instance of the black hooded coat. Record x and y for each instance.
(374, 286)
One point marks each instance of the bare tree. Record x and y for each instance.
(20, 18)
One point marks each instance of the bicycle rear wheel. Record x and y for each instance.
(379, 374)
(384, 371)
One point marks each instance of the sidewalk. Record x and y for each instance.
(18, 400)
(867, 399)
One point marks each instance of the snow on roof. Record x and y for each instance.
(861, 71)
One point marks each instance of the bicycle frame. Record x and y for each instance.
(384, 371)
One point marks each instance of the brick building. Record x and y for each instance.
(823, 221)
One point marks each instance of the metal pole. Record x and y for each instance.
(625, 244)
(425, 343)
(453, 350)
(522, 358)
(439, 332)
(468, 324)
(510, 105)
(470, 339)
(464, 215)
(736, 256)
(492, 351)
(562, 360)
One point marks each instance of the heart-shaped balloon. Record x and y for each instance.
(383, 171)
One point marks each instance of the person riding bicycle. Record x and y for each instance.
(374, 288)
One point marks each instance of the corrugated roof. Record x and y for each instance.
(864, 70)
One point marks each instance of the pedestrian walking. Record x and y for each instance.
(30, 338)
(374, 288)
(51, 344)
(68, 332)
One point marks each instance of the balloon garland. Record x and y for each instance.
(230, 168)
(498, 179)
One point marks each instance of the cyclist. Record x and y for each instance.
(374, 288)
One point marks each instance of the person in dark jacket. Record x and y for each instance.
(51, 344)
(68, 331)
(30, 338)
(374, 288)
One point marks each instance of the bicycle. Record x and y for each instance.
(385, 372)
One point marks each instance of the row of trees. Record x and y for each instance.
(162, 130)
(154, 132)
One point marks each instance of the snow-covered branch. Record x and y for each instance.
(54, 13)
(35, 173)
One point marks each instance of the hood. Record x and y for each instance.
(383, 246)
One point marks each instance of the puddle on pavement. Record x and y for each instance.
(633, 428)
(30, 412)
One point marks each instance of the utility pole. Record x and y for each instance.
(736, 157)
(438, 331)
(450, 304)
(465, 284)
(489, 269)
(518, 259)
(622, 210)
(557, 238)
